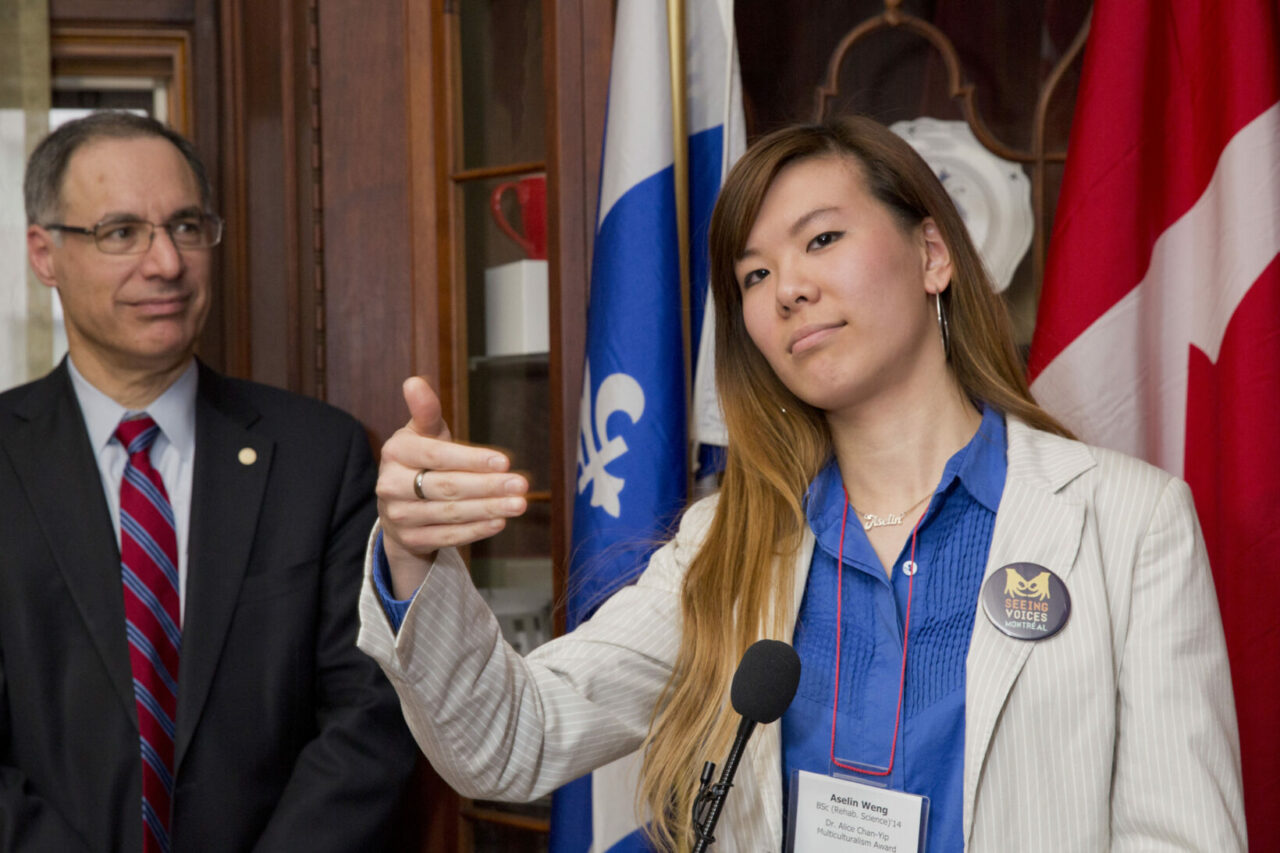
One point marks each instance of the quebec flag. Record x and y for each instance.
(634, 428)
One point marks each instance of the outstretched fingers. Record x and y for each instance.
(434, 492)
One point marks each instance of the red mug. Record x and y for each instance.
(531, 198)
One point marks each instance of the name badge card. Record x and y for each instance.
(831, 815)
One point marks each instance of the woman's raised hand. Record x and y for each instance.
(434, 492)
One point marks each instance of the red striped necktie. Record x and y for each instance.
(149, 571)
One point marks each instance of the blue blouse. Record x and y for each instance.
(951, 552)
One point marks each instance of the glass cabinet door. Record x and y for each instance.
(499, 335)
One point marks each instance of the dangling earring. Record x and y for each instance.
(942, 326)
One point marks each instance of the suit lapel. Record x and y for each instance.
(59, 471)
(227, 491)
(1036, 523)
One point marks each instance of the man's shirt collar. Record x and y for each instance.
(174, 411)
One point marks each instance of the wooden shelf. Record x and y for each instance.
(502, 817)
(523, 361)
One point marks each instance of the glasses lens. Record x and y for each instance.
(196, 232)
(132, 236)
(211, 228)
(123, 237)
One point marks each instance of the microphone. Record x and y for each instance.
(763, 686)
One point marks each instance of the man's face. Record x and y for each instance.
(140, 312)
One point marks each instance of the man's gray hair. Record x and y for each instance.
(42, 186)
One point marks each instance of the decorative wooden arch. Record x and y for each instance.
(962, 91)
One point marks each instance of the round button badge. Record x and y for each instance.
(1026, 601)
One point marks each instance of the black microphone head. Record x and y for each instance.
(766, 681)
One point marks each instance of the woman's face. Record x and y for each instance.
(836, 294)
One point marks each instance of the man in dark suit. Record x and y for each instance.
(178, 667)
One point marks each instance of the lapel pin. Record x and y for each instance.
(1026, 601)
(247, 456)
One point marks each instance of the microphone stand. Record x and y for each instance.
(710, 800)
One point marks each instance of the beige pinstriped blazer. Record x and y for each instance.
(1118, 733)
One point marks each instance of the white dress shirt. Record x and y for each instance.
(172, 454)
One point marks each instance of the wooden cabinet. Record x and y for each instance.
(495, 340)
(493, 197)
(363, 144)
(387, 128)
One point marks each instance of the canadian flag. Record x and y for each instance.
(1159, 324)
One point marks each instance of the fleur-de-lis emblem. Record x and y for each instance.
(596, 449)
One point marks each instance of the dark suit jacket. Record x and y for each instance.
(288, 737)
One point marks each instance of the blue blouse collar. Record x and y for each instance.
(979, 468)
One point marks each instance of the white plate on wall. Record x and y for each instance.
(992, 194)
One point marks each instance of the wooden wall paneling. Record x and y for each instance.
(273, 111)
(306, 196)
(597, 58)
(566, 252)
(451, 320)
(205, 83)
(228, 326)
(206, 131)
(577, 38)
(270, 189)
(145, 11)
(436, 804)
(270, 225)
(304, 363)
(367, 217)
(422, 100)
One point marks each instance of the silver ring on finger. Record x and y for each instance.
(417, 485)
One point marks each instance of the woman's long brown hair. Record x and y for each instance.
(739, 586)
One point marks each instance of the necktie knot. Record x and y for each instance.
(137, 433)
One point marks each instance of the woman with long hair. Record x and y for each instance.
(992, 618)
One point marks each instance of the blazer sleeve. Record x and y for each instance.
(500, 726)
(347, 782)
(1177, 755)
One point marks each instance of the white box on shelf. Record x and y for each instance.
(515, 308)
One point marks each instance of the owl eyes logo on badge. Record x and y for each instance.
(1026, 601)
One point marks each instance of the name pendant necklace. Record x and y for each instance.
(870, 520)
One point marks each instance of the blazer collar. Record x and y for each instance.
(229, 482)
(58, 469)
(1037, 523)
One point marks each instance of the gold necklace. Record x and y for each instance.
(893, 519)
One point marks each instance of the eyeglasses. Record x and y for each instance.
(134, 236)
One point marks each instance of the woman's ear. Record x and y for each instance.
(937, 257)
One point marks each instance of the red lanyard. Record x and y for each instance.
(906, 628)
